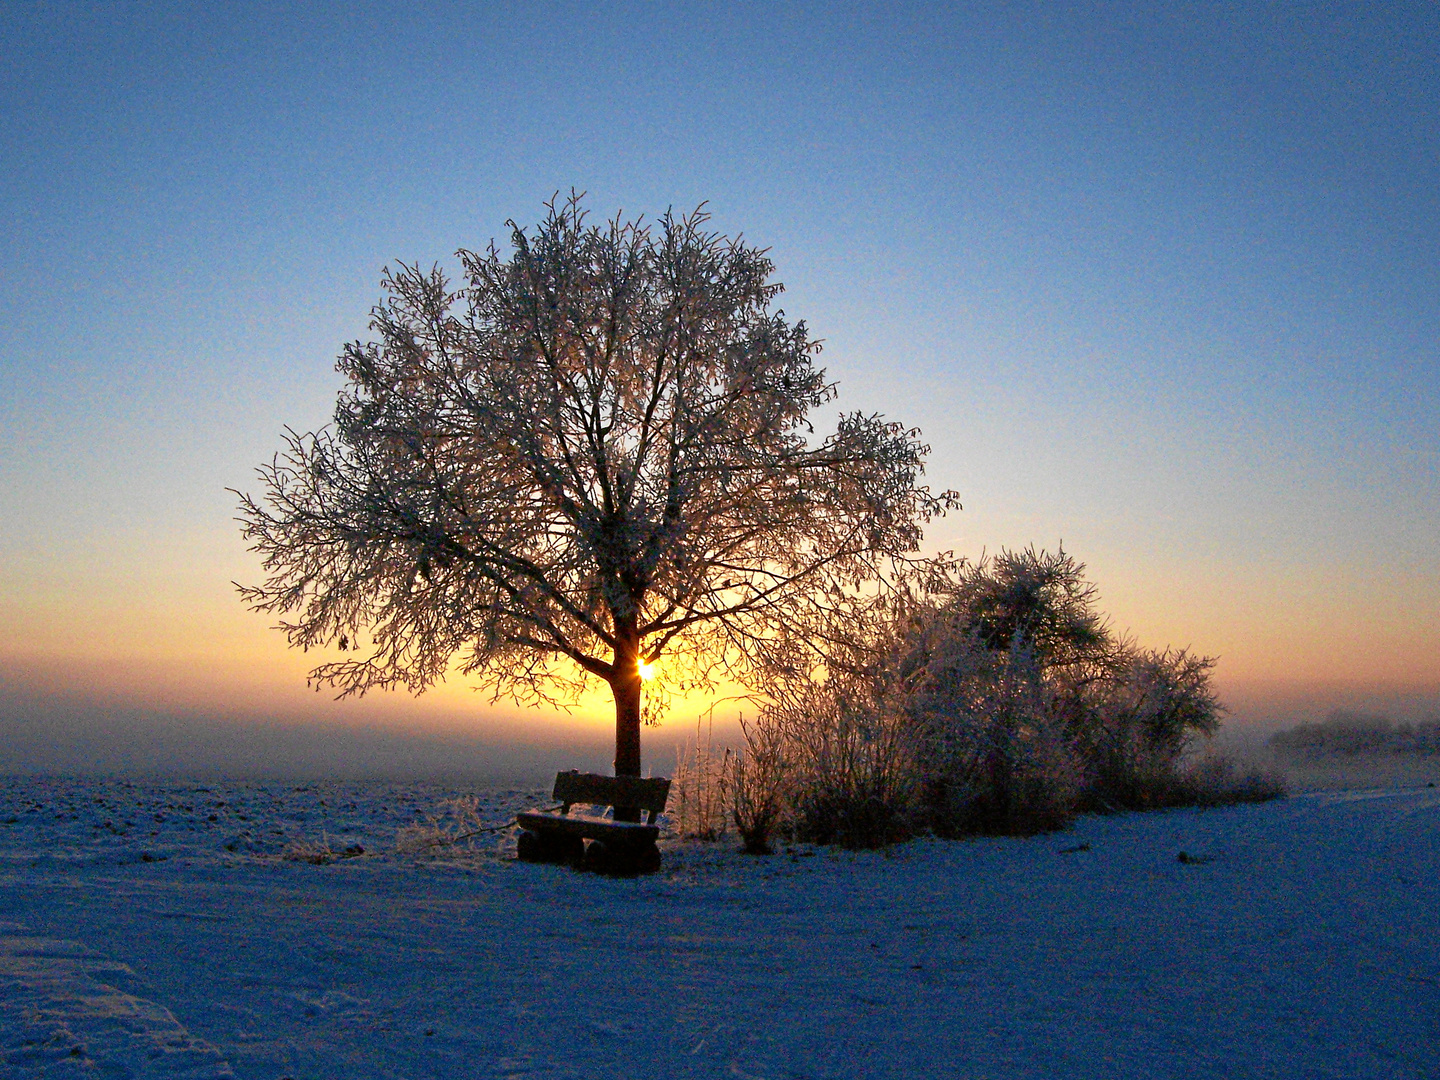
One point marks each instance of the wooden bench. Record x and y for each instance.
(616, 845)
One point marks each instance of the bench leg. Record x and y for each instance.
(529, 847)
(603, 858)
(647, 859)
(537, 847)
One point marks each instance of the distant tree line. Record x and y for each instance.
(1346, 733)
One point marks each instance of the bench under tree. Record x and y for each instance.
(619, 844)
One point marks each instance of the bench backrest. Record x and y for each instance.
(642, 794)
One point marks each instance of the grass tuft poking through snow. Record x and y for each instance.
(457, 825)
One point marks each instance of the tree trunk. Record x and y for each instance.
(627, 724)
(625, 685)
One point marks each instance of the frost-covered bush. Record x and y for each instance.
(1099, 722)
(820, 771)
(1017, 772)
(856, 782)
(1031, 600)
(699, 805)
(994, 755)
(309, 851)
(995, 652)
(761, 781)
(977, 697)
(1137, 723)
(1212, 780)
(835, 723)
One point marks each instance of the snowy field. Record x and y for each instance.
(155, 930)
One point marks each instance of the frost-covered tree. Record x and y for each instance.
(594, 451)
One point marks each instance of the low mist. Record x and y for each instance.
(44, 730)
(47, 734)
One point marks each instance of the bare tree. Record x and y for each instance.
(594, 452)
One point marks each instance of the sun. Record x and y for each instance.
(647, 671)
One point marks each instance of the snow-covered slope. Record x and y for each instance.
(157, 931)
(61, 1015)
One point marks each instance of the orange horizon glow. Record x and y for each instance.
(219, 659)
(164, 628)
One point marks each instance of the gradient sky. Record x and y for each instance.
(1164, 285)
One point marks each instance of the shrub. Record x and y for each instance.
(1031, 600)
(840, 731)
(1212, 780)
(1140, 722)
(983, 697)
(854, 774)
(700, 803)
(760, 782)
(321, 854)
(995, 758)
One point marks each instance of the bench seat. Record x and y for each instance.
(589, 827)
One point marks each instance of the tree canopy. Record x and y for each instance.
(594, 451)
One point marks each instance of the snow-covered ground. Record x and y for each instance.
(155, 930)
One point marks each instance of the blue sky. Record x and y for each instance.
(1157, 280)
